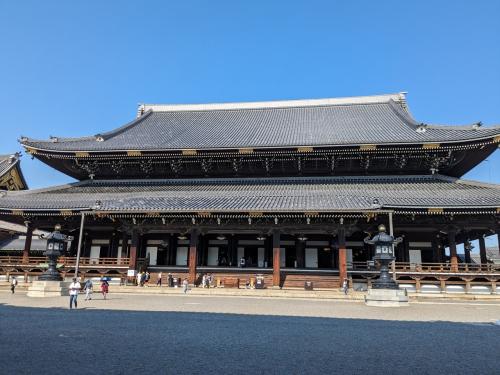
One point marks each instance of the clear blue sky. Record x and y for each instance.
(72, 68)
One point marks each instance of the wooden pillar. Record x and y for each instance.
(113, 245)
(276, 259)
(124, 244)
(406, 250)
(435, 250)
(466, 253)
(172, 250)
(300, 248)
(133, 250)
(334, 253)
(453, 251)
(193, 245)
(342, 256)
(27, 242)
(200, 257)
(482, 251)
(268, 244)
(498, 242)
(418, 284)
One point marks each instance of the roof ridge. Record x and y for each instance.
(349, 100)
(477, 183)
(472, 126)
(42, 190)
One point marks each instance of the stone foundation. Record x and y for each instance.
(48, 289)
(386, 298)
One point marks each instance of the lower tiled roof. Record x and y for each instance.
(265, 194)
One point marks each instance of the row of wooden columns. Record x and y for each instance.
(342, 259)
(193, 244)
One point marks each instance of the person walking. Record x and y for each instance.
(345, 286)
(104, 288)
(139, 278)
(74, 289)
(158, 282)
(88, 288)
(13, 284)
(204, 281)
(185, 286)
(147, 277)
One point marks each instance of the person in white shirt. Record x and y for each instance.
(13, 284)
(74, 289)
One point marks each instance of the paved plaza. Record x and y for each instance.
(137, 334)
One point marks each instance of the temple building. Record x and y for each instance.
(283, 189)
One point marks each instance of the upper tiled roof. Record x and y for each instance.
(267, 194)
(382, 119)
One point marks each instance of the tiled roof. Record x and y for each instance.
(7, 162)
(17, 243)
(267, 194)
(382, 119)
(11, 176)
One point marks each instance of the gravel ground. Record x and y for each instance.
(130, 334)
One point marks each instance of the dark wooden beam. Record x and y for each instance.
(133, 250)
(276, 259)
(27, 242)
(300, 247)
(482, 250)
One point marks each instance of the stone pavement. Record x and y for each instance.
(192, 334)
(454, 311)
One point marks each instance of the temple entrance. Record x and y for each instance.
(182, 256)
(311, 258)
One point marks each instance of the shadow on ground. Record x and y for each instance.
(60, 341)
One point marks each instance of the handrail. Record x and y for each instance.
(65, 261)
(430, 267)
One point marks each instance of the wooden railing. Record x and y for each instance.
(65, 261)
(430, 267)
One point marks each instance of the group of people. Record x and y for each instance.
(143, 278)
(207, 281)
(88, 287)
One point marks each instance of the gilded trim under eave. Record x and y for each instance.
(245, 150)
(496, 139)
(30, 150)
(431, 145)
(81, 154)
(367, 147)
(435, 210)
(134, 153)
(189, 152)
(305, 149)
